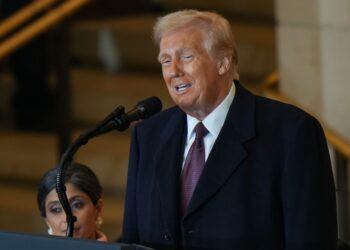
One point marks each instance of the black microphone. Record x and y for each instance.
(145, 109)
(120, 120)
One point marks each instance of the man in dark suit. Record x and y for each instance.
(266, 182)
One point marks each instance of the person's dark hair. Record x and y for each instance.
(77, 174)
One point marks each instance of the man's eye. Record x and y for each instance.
(187, 57)
(167, 61)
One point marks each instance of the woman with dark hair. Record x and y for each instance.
(83, 191)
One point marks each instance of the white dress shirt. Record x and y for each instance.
(213, 122)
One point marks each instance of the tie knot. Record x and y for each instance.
(200, 130)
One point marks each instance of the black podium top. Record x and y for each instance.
(22, 241)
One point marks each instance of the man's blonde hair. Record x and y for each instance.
(220, 38)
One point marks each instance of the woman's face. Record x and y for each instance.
(82, 207)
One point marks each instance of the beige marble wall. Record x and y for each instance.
(335, 47)
(299, 65)
(313, 40)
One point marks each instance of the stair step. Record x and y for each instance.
(6, 89)
(127, 40)
(252, 8)
(27, 156)
(18, 209)
(96, 93)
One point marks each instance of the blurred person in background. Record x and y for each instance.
(84, 195)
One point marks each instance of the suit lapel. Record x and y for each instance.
(228, 151)
(168, 168)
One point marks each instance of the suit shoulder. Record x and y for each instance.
(277, 109)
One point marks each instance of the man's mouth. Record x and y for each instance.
(182, 87)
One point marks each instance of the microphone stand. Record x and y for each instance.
(116, 117)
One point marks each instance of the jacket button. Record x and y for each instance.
(166, 237)
(191, 232)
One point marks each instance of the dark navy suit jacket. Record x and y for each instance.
(267, 183)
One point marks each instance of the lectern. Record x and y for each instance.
(22, 241)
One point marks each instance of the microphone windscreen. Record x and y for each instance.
(149, 106)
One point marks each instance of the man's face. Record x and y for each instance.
(190, 72)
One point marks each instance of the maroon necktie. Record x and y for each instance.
(193, 166)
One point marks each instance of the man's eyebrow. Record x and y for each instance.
(161, 56)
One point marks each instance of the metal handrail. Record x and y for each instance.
(23, 15)
(39, 26)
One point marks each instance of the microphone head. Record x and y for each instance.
(149, 107)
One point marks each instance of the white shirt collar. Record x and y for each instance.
(215, 120)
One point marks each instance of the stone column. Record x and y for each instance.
(313, 43)
(313, 40)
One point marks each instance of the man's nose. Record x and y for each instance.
(175, 69)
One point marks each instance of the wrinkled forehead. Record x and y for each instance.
(181, 39)
(189, 29)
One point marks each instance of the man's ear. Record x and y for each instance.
(224, 65)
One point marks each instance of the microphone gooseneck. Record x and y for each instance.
(117, 120)
(121, 121)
